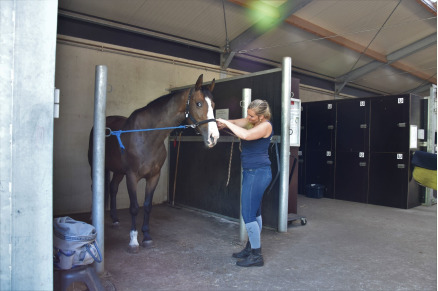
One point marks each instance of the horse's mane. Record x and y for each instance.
(160, 102)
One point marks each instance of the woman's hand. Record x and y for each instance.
(221, 123)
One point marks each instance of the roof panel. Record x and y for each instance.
(306, 51)
(366, 30)
(390, 80)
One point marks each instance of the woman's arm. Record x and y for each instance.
(242, 122)
(264, 129)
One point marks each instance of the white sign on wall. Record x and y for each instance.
(295, 122)
(223, 113)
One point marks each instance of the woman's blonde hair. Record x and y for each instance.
(260, 107)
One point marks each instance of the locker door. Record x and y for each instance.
(320, 170)
(320, 125)
(351, 179)
(389, 124)
(319, 156)
(389, 179)
(352, 125)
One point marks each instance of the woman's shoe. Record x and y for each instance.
(255, 259)
(243, 253)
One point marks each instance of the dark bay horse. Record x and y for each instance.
(145, 151)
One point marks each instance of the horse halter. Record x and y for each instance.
(189, 116)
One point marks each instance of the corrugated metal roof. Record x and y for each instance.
(385, 45)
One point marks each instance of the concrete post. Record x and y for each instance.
(27, 74)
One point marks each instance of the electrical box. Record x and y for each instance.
(295, 122)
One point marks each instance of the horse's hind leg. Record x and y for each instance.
(131, 183)
(114, 188)
(151, 184)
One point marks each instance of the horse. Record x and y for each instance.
(144, 152)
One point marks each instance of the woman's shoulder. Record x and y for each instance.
(269, 128)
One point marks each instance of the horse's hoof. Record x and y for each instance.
(147, 244)
(133, 249)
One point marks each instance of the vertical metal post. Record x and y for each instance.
(285, 144)
(246, 99)
(98, 172)
(431, 121)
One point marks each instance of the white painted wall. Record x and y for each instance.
(27, 70)
(133, 81)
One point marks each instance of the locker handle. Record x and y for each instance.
(401, 166)
(402, 124)
(329, 162)
(330, 127)
(362, 164)
(363, 126)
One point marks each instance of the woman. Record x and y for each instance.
(256, 132)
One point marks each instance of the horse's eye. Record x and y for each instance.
(199, 104)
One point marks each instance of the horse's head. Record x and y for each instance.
(201, 107)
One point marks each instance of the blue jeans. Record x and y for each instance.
(254, 184)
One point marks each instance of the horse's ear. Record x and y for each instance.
(199, 83)
(211, 86)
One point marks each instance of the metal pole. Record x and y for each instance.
(431, 121)
(285, 144)
(246, 99)
(98, 171)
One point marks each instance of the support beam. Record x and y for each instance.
(391, 59)
(261, 27)
(412, 48)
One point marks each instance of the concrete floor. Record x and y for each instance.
(343, 246)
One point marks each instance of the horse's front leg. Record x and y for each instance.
(131, 183)
(151, 184)
(114, 188)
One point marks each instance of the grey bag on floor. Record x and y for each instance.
(74, 243)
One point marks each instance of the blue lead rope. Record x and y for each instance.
(117, 133)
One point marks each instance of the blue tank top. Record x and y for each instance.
(255, 152)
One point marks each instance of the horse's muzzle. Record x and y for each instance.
(212, 140)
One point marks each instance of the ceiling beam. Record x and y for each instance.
(259, 28)
(429, 5)
(420, 89)
(412, 48)
(391, 59)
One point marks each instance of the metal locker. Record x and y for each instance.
(351, 177)
(352, 125)
(391, 147)
(389, 179)
(320, 142)
(320, 170)
(321, 125)
(352, 149)
(389, 124)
